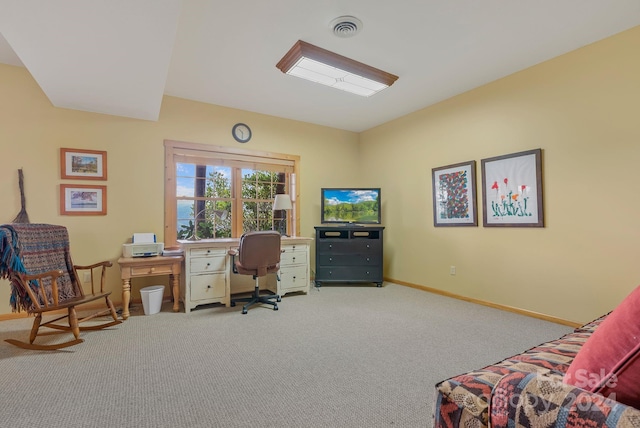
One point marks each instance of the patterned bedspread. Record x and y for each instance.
(463, 401)
(531, 400)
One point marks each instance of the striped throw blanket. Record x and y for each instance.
(35, 248)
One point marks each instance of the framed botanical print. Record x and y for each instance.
(512, 190)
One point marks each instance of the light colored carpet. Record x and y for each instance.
(343, 356)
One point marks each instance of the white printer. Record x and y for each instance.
(142, 245)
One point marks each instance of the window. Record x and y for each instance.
(219, 192)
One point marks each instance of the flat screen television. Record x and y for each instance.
(351, 205)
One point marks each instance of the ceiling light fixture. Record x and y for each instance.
(322, 66)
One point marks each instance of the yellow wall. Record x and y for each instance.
(583, 110)
(32, 132)
(580, 108)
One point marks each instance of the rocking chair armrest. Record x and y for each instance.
(102, 266)
(105, 263)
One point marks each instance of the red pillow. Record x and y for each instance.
(609, 361)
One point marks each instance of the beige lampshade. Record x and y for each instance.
(282, 202)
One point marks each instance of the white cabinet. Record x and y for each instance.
(294, 269)
(206, 278)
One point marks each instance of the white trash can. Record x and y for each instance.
(152, 298)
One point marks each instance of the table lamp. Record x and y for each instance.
(282, 202)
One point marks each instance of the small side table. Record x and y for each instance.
(136, 267)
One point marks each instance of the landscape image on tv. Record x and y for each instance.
(351, 206)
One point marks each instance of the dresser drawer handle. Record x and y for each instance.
(151, 270)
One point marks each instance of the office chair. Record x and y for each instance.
(258, 255)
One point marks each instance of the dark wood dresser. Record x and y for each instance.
(349, 254)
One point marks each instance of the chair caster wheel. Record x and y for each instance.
(275, 307)
(279, 299)
(244, 311)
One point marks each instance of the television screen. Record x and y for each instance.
(351, 205)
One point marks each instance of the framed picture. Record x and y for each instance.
(454, 195)
(512, 190)
(83, 199)
(83, 164)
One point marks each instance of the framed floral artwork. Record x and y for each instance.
(512, 190)
(454, 195)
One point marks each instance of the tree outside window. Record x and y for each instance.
(205, 200)
(217, 192)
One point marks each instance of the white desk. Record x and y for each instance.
(208, 276)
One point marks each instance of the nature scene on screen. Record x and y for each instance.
(351, 205)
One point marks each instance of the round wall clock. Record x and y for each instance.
(241, 132)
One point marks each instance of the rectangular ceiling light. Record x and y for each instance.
(322, 66)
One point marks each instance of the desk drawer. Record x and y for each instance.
(206, 252)
(294, 248)
(293, 278)
(208, 264)
(293, 257)
(150, 270)
(204, 287)
(294, 274)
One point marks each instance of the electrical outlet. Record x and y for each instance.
(452, 270)
(87, 277)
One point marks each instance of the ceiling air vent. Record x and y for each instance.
(346, 26)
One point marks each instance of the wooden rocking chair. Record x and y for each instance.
(36, 260)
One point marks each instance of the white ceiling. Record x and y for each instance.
(120, 56)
